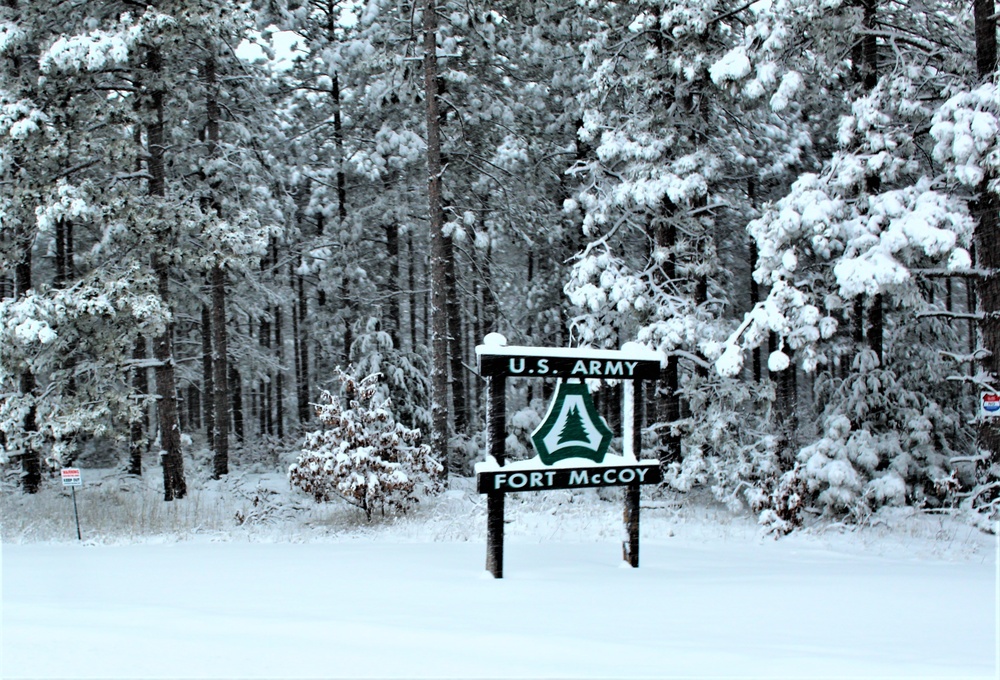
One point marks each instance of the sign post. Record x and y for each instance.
(571, 430)
(496, 419)
(71, 478)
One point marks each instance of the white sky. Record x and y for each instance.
(283, 42)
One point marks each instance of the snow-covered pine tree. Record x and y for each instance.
(861, 226)
(362, 455)
(84, 299)
(196, 210)
(965, 130)
(404, 374)
(239, 210)
(654, 203)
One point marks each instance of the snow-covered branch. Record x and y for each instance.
(950, 315)
(693, 358)
(943, 272)
(979, 355)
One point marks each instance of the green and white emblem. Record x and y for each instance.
(572, 427)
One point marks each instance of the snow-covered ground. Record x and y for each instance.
(315, 592)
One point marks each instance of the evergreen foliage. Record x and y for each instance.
(795, 202)
(362, 455)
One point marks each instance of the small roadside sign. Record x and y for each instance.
(71, 477)
(989, 405)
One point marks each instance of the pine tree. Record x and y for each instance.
(362, 455)
(573, 430)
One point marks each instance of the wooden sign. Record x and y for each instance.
(549, 366)
(568, 478)
(571, 429)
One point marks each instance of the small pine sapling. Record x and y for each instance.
(362, 455)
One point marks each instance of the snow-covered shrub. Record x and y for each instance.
(884, 442)
(518, 443)
(729, 444)
(362, 455)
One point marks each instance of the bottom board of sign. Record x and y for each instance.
(567, 478)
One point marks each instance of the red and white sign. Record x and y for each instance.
(71, 477)
(989, 405)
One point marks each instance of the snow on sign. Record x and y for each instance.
(989, 405)
(71, 477)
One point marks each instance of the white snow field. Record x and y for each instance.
(906, 596)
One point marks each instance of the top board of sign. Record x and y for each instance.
(632, 362)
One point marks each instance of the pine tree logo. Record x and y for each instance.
(572, 427)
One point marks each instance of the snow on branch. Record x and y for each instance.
(942, 272)
(693, 358)
(979, 355)
(982, 379)
(951, 315)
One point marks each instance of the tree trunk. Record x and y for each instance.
(31, 462)
(972, 340)
(754, 286)
(393, 320)
(455, 344)
(875, 326)
(987, 245)
(220, 340)
(475, 336)
(700, 299)
(174, 485)
(787, 387)
(64, 252)
(438, 259)
(858, 329)
(140, 384)
(412, 283)
(869, 45)
(345, 296)
(266, 417)
(663, 237)
(345, 282)
(220, 381)
(279, 383)
(491, 304)
(986, 38)
(193, 407)
(302, 338)
(236, 391)
(670, 387)
(207, 375)
(754, 299)
(394, 316)
(255, 393)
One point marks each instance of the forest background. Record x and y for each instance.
(794, 201)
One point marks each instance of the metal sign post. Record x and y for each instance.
(71, 478)
(572, 429)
